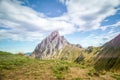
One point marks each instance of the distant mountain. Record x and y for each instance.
(53, 46)
(28, 53)
(109, 57)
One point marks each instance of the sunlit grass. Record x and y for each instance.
(15, 66)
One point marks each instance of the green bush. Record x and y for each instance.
(92, 72)
(116, 76)
(78, 79)
(59, 70)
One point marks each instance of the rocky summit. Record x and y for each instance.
(50, 46)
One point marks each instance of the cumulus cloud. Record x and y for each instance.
(23, 23)
(89, 14)
(27, 23)
(117, 24)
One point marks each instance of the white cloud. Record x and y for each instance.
(23, 20)
(117, 24)
(89, 14)
(99, 39)
(24, 23)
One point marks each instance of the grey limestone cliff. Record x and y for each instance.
(50, 46)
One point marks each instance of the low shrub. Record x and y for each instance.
(59, 70)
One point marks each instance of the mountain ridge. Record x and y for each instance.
(51, 46)
(109, 57)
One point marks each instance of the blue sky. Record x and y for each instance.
(24, 23)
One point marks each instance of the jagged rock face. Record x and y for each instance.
(50, 46)
(109, 57)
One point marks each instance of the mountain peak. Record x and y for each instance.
(114, 42)
(55, 32)
(50, 46)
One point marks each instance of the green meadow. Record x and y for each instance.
(21, 67)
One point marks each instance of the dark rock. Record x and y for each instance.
(89, 49)
(80, 58)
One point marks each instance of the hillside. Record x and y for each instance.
(69, 53)
(109, 57)
(87, 56)
(20, 67)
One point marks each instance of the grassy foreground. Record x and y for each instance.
(20, 67)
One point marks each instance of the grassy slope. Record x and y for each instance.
(108, 59)
(70, 53)
(89, 57)
(18, 67)
(10, 61)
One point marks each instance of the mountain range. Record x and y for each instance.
(55, 58)
(54, 46)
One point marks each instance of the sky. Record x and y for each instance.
(24, 23)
